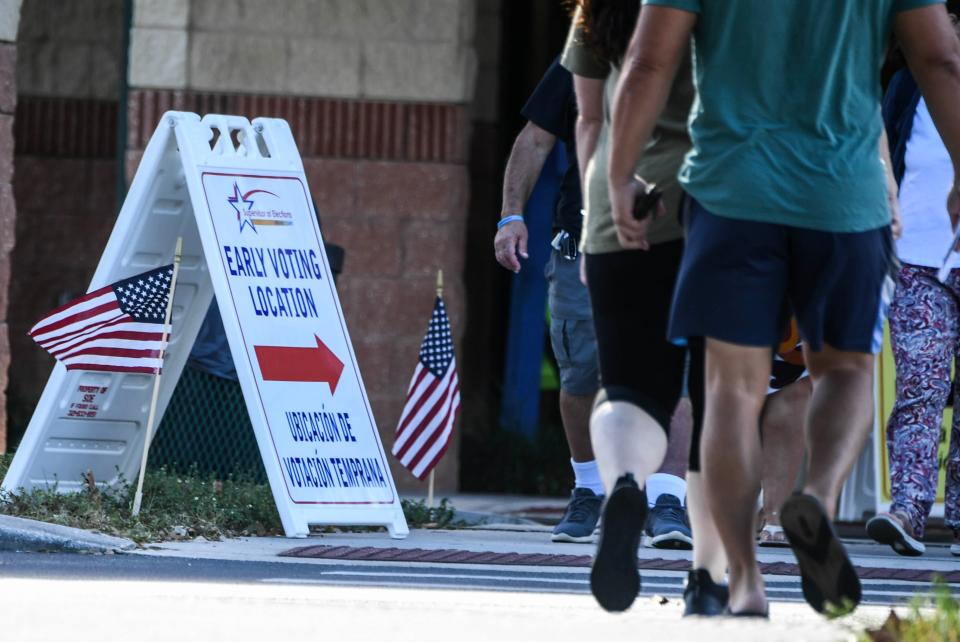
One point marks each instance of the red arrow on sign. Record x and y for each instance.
(280, 363)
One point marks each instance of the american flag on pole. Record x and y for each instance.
(118, 328)
(433, 400)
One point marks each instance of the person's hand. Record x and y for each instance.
(632, 233)
(953, 205)
(510, 245)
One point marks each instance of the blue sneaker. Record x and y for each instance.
(667, 525)
(580, 519)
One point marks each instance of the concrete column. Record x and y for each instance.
(9, 21)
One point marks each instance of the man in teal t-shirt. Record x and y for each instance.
(788, 215)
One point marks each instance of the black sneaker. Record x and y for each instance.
(703, 596)
(580, 519)
(667, 525)
(614, 579)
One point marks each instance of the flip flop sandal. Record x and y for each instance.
(761, 615)
(771, 535)
(828, 578)
(614, 579)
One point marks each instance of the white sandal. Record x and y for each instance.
(772, 536)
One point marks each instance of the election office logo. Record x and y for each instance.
(254, 209)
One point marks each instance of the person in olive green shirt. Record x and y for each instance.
(789, 209)
(631, 291)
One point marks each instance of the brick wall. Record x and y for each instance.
(377, 93)
(64, 133)
(9, 19)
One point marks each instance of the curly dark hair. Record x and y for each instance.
(607, 26)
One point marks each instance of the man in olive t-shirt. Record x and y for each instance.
(789, 213)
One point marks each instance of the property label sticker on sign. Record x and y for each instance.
(87, 401)
(295, 340)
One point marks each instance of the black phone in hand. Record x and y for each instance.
(645, 202)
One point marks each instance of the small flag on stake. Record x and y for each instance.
(118, 328)
(433, 400)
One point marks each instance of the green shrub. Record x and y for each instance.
(931, 619)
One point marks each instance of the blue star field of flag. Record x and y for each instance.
(436, 351)
(144, 297)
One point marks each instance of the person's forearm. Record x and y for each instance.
(893, 190)
(588, 131)
(940, 85)
(932, 49)
(655, 53)
(589, 93)
(892, 186)
(526, 160)
(641, 95)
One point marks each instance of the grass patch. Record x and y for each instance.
(178, 507)
(175, 507)
(419, 515)
(930, 619)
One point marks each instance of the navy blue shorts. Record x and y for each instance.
(740, 280)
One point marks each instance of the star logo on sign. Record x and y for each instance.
(241, 204)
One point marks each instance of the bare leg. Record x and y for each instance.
(839, 419)
(626, 440)
(678, 447)
(575, 413)
(707, 548)
(736, 384)
(782, 435)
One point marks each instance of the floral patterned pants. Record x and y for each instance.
(925, 334)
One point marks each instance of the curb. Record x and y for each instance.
(471, 519)
(19, 534)
(458, 556)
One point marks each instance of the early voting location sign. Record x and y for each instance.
(235, 191)
(294, 340)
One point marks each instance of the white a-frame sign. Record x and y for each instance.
(236, 192)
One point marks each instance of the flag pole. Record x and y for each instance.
(138, 497)
(432, 477)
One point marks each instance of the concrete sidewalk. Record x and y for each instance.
(649, 618)
(514, 525)
(511, 535)
(509, 540)
(519, 514)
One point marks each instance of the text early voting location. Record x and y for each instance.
(236, 192)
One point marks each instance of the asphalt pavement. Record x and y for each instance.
(503, 579)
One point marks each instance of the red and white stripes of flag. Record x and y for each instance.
(118, 328)
(433, 400)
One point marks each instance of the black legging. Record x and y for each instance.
(696, 387)
(631, 292)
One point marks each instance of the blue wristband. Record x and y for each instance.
(509, 219)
